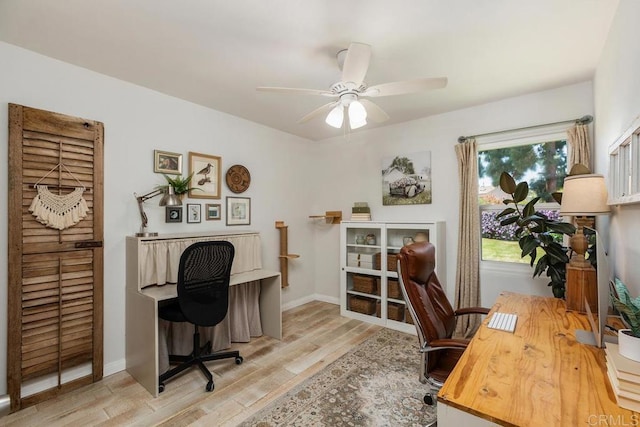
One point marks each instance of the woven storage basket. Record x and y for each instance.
(393, 289)
(362, 304)
(365, 284)
(395, 312)
(392, 261)
(408, 319)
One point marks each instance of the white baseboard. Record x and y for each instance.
(114, 367)
(315, 297)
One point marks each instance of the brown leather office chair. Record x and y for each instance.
(432, 314)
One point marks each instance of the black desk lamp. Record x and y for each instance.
(169, 198)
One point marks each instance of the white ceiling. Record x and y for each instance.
(216, 52)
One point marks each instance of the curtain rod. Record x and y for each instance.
(584, 120)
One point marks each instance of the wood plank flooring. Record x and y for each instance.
(314, 335)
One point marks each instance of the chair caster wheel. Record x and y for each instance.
(161, 388)
(428, 399)
(239, 360)
(210, 386)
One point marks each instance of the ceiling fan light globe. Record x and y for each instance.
(355, 124)
(335, 117)
(357, 115)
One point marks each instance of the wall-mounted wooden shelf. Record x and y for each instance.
(284, 255)
(332, 217)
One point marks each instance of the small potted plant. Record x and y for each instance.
(629, 309)
(180, 184)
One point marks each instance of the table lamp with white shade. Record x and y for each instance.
(583, 196)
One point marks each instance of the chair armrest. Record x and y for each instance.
(471, 310)
(448, 343)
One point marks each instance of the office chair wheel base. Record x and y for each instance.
(210, 386)
(206, 349)
(161, 388)
(428, 399)
(239, 360)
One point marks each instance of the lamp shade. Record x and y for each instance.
(170, 198)
(584, 195)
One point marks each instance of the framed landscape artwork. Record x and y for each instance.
(406, 179)
(205, 182)
(212, 211)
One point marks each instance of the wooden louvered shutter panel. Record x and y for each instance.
(55, 276)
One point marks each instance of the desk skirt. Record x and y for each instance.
(242, 323)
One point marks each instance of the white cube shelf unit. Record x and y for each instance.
(369, 288)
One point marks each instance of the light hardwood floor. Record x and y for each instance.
(314, 335)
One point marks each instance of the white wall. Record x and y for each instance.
(617, 104)
(351, 168)
(137, 121)
(292, 178)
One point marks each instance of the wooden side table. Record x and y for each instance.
(582, 282)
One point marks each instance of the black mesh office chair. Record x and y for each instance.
(203, 300)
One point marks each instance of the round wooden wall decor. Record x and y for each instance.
(238, 178)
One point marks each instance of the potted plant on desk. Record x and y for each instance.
(629, 309)
(535, 230)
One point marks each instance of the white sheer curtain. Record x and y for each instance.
(468, 270)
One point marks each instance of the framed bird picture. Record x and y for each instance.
(205, 171)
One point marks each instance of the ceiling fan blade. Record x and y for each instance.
(356, 63)
(296, 91)
(374, 112)
(318, 111)
(408, 86)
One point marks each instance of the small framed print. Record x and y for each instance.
(193, 212)
(238, 211)
(166, 162)
(173, 214)
(212, 211)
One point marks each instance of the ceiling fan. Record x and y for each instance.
(352, 92)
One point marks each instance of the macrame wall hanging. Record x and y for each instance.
(56, 210)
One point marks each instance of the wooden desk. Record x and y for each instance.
(537, 376)
(142, 335)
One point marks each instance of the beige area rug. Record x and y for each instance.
(375, 384)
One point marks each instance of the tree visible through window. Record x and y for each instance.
(544, 167)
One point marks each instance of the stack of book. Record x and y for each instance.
(360, 212)
(624, 375)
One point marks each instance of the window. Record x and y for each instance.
(542, 162)
(624, 167)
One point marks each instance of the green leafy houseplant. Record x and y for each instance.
(535, 231)
(180, 184)
(629, 308)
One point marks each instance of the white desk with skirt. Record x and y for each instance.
(152, 271)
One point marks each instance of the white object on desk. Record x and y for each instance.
(503, 321)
